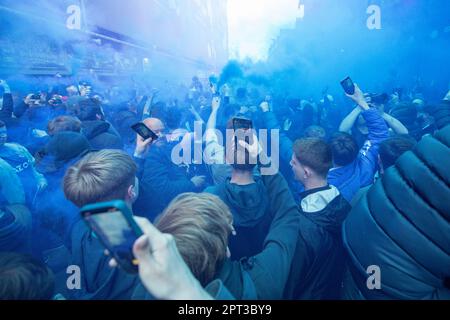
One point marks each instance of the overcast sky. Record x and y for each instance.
(253, 24)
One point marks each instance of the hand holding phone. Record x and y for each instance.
(142, 130)
(357, 96)
(112, 222)
(348, 86)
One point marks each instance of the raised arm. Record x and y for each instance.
(214, 151)
(269, 269)
(378, 132)
(272, 265)
(348, 122)
(395, 124)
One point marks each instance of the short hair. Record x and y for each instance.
(315, 132)
(314, 153)
(201, 225)
(99, 176)
(391, 149)
(344, 148)
(89, 109)
(22, 277)
(63, 123)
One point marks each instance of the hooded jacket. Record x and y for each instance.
(402, 226)
(98, 280)
(249, 205)
(101, 135)
(319, 264)
(264, 275)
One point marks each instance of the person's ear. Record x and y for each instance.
(307, 172)
(131, 194)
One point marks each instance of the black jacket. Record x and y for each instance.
(402, 225)
(101, 135)
(264, 276)
(318, 265)
(249, 205)
(161, 181)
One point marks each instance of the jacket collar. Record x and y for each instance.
(304, 194)
(316, 200)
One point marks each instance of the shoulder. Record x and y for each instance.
(212, 189)
(17, 148)
(5, 166)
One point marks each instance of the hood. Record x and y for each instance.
(91, 129)
(237, 280)
(98, 280)
(247, 203)
(325, 207)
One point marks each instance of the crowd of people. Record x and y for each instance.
(362, 182)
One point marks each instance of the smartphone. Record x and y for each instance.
(142, 130)
(112, 222)
(36, 96)
(348, 85)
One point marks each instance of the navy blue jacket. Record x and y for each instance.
(101, 135)
(98, 280)
(319, 262)
(402, 225)
(161, 181)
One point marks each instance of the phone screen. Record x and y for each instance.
(117, 235)
(348, 86)
(142, 130)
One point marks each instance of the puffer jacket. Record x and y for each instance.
(402, 226)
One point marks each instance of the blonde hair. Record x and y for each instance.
(200, 224)
(100, 176)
